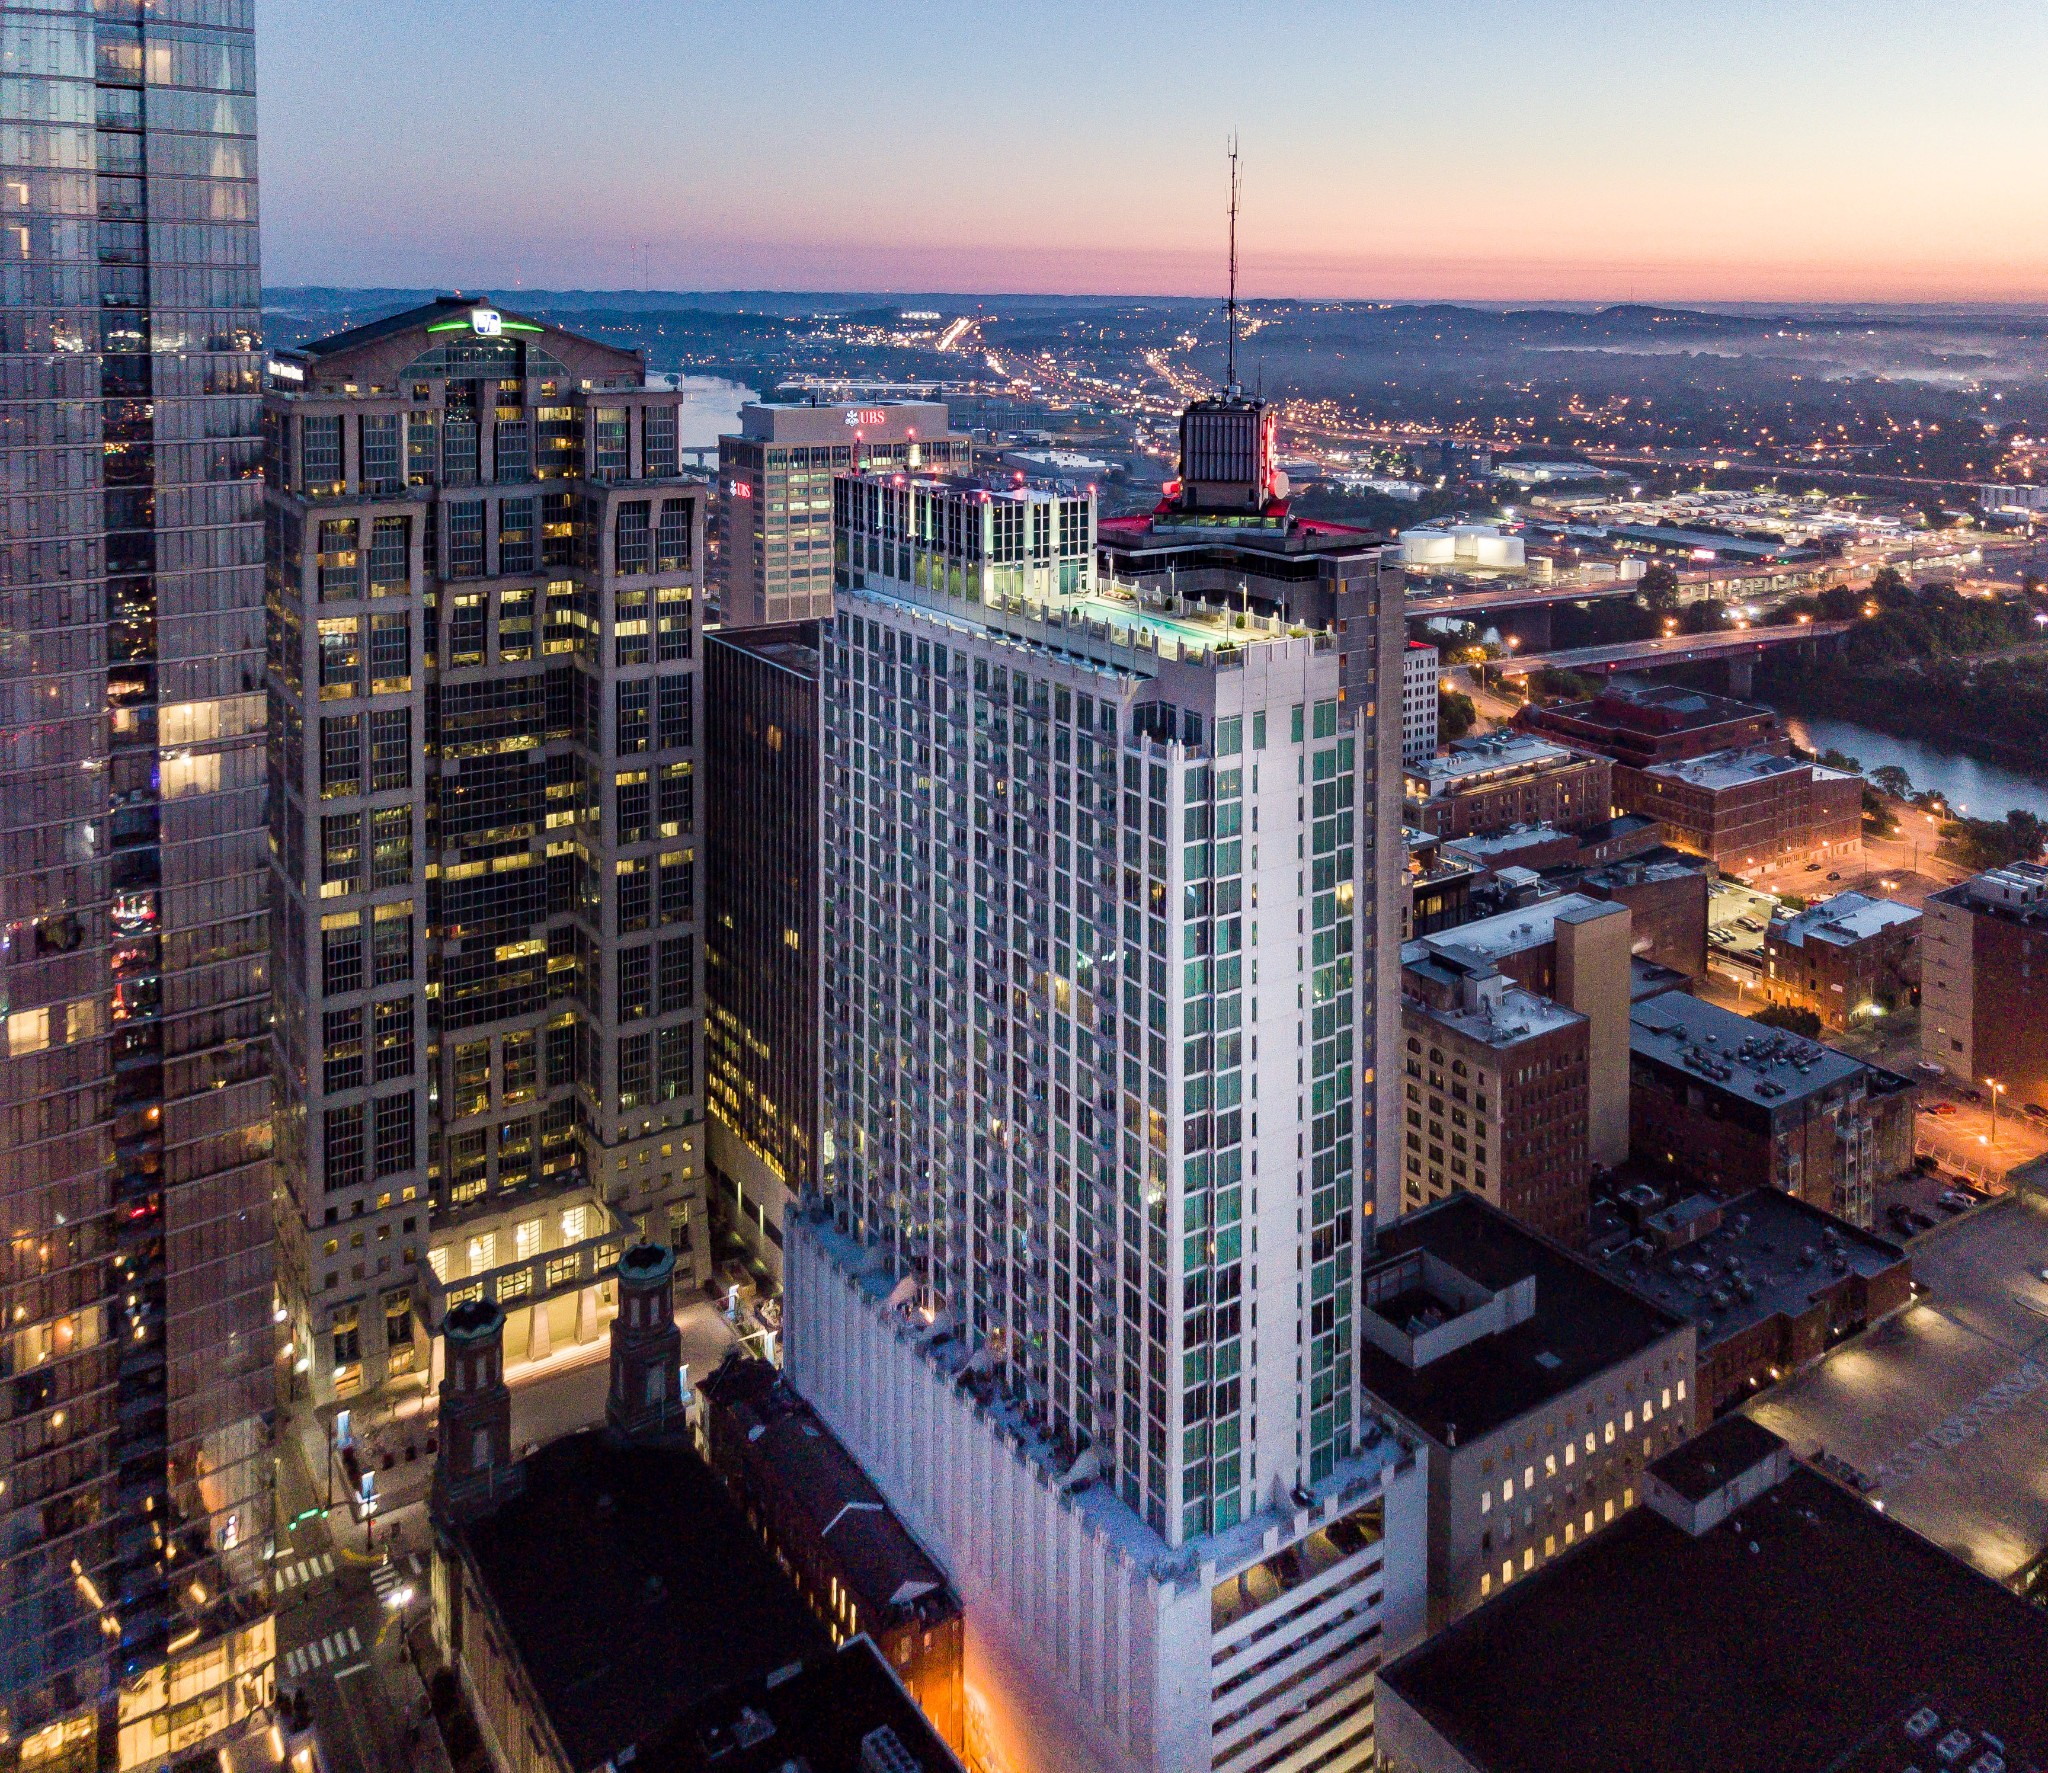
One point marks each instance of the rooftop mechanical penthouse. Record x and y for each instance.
(1104, 934)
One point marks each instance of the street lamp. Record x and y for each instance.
(1997, 1089)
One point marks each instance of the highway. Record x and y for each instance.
(1668, 649)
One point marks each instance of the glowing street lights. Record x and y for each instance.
(1997, 1089)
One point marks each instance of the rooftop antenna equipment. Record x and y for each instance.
(1230, 308)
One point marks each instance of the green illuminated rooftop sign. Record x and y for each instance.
(485, 323)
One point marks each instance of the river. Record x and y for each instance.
(711, 408)
(1982, 790)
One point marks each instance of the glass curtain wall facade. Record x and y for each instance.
(1044, 1005)
(763, 1014)
(135, 1360)
(484, 578)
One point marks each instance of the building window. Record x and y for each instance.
(635, 808)
(677, 973)
(672, 542)
(393, 1039)
(392, 957)
(676, 722)
(611, 455)
(341, 1042)
(678, 799)
(320, 463)
(459, 450)
(391, 846)
(341, 854)
(390, 749)
(390, 556)
(557, 529)
(472, 1077)
(635, 989)
(394, 1133)
(515, 626)
(515, 536)
(341, 953)
(348, 1338)
(520, 1066)
(390, 655)
(675, 1049)
(397, 1319)
(466, 539)
(341, 657)
(468, 618)
(633, 721)
(514, 452)
(340, 564)
(422, 453)
(343, 1137)
(636, 1070)
(658, 445)
(381, 467)
(633, 543)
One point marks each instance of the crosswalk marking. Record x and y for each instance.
(305, 1570)
(323, 1654)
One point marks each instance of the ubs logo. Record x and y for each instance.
(867, 415)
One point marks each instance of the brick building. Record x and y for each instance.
(828, 1527)
(1656, 723)
(1495, 1095)
(1984, 981)
(1734, 1105)
(1487, 784)
(1842, 957)
(1749, 811)
(1573, 951)
(1783, 1283)
(1667, 907)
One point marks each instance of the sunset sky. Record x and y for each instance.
(1526, 148)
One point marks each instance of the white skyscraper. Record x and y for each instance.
(1418, 701)
(1102, 912)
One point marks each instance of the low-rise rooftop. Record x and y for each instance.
(1473, 760)
(1731, 1053)
(1842, 921)
(1578, 1323)
(632, 1590)
(1734, 769)
(1730, 1265)
(1802, 1629)
(1510, 932)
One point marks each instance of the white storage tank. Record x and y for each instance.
(1427, 547)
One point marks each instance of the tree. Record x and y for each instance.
(1658, 588)
(1890, 779)
(1455, 714)
(1790, 1017)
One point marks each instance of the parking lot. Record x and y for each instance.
(1737, 917)
(1967, 1138)
(1943, 1409)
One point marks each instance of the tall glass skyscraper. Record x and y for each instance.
(135, 1359)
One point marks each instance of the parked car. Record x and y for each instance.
(1956, 1203)
(1813, 868)
(1922, 1219)
(1973, 1095)
(1834, 877)
(2035, 1111)
(1928, 1069)
(1941, 1108)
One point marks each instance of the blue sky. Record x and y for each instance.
(1565, 148)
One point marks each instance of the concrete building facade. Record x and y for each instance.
(1750, 811)
(1419, 693)
(775, 494)
(484, 578)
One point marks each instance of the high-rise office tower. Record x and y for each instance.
(1102, 983)
(775, 495)
(483, 600)
(135, 1288)
(763, 1007)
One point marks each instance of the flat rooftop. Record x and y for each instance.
(1472, 760)
(1771, 1253)
(1732, 1054)
(632, 1590)
(1510, 932)
(1842, 921)
(1945, 1406)
(1805, 1629)
(1734, 769)
(1583, 1324)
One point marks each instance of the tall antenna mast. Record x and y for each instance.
(1230, 371)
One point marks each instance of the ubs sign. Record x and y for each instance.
(867, 415)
